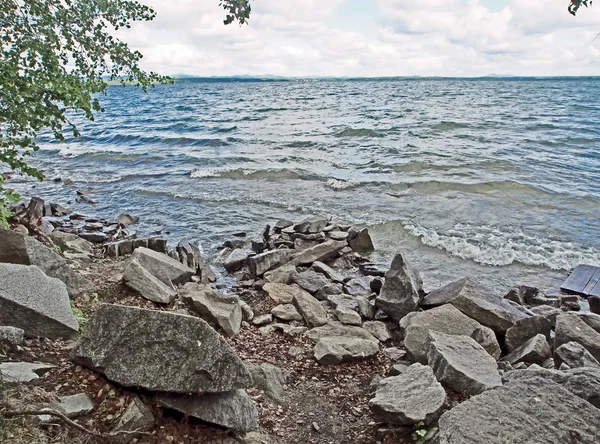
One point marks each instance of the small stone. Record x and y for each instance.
(311, 225)
(525, 329)
(235, 260)
(594, 302)
(282, 293)
(395, 354)
(365, 308)
(11, 337)
(357, 287)
(263, 319)
(76, 405)
(310, 280)
(328, 271)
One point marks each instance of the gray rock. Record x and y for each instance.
(95, 237)
(139, 348)
(412, 397)
(528, 296)
(347, 316)
(343, 300)
(224, 311)
(319, 253)
(572, 328)
(445, 319)
(11, 337)
(532, 411)
(127, 219)
(281, 224)
(547, 312)
(281, 275)
(137, 417)
(287, 312)
(76, 405)
(591, 319)
(337, 349)
(263, 319)
(247, 313)
(395, 354)
(583, 382)
(161, 266)
(288, 330)
(357, 287)
(190, 254)
(486, 337)
(147, 285)
(34, 302)
(378, 329)
(311, 225)
(594, 302)
(534, 351)
(400, 292)
(234, 409)
(310, 280)
(269, 260)
(268, 378)
(329, 290)
(76, 284)
(328, 271)
(575, 355)
(476, 301)
(398, 369)
(311, 310)
(334, 329)
(71, 242)
(365, 308)
(235, 260)
(360, 240)
(525, 329)
(14, 372)
(462, 364)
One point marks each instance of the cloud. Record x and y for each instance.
(397, 37)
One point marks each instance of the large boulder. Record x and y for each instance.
(400, 293)
(575, 355)
(321, 252)
(147, 285)
(269, 260)
(535, 350)
(477, 302)
(583, 382)
(444, 319)
(234, 409)
(462, 364)
(224, 311)
(531, 411)
(310, 308)
(34, 302)
(337, 349)
(137, 347)
(412, 397)
(525, 329)
(572, 328)
(163, 267)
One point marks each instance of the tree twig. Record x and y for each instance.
(69, 422)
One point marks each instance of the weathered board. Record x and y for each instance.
(584, 280)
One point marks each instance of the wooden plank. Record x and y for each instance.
(592, 283)
(578, 280)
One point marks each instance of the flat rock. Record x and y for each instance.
(534, 351)
(378, 329)
(137, 347)
(311, 225)
(310, 280)
(477, 302)
(444, 319)
(289, 330)
(282, 293)
(575, 355)
(321, 252)
(462, 364)
(34, 302)
(311, 310)
(287, 312)
(13, 372)
(532, 411)
(343, 300)
(400, 292)
(334, 350)
(525, 329)
(234, 409)
(76, 405)
(583, 382)
(413, 396)
(334, 328)
(269, 260)
(224, 311)
(235, 260)
(328, 271)
(357, 287)
(136, 417)
(572, 328)
(328, 290)
(347, 316)
(163, 267)
(147, 285)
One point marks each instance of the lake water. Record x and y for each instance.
(496, 179)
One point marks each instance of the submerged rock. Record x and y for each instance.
(137, 347)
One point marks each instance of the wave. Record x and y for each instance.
(492, 246)
(268, 110)
(224, 130)
(240, 173)
(137, 140)
(359, 132)
(447, 126)
(301, 144)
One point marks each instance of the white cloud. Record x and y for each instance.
(428, 37)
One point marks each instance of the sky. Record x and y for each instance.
(371, 38)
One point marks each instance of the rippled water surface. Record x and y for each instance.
(489, 178)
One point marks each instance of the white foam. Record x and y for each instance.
(203, 173)
(339, 184)
(492, 246)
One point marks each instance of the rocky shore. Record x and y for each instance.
(291, 335)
